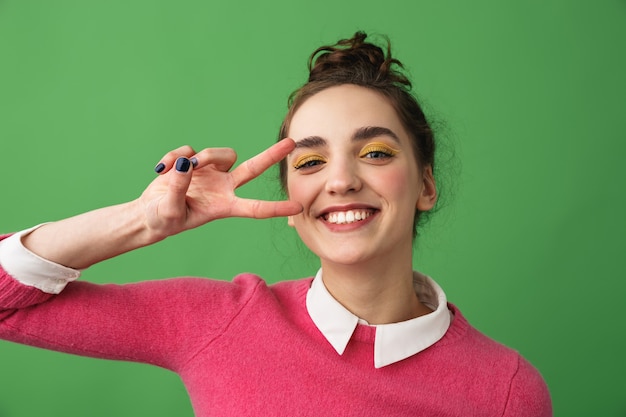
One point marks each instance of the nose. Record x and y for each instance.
(342, 177)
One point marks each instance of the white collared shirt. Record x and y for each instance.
(395, 341)
(31, 269)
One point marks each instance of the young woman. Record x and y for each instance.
(367, 336)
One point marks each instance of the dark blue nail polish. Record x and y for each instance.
(182, 164)
(159, 168)
(194, 161)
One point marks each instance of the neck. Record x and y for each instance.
(376, 291)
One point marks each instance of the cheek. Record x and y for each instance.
(396, 184)
(299, 189)
(292, 189)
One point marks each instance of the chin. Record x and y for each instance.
(345, 257)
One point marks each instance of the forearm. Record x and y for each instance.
(177, 200)
(81, 241)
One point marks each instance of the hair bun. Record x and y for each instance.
(358, 62)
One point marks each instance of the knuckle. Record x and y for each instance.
(184, 150)
(252, 167)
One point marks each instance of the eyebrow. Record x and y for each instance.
(362, 133)
(311, 142)
(370, 132)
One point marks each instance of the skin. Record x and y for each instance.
(367, 264)
(174, 202)
(341, 163)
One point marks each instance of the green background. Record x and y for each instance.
(529, 98)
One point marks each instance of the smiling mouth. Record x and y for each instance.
(348, 216)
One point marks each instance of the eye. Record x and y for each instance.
(308, 161)
(378, 150)
(377, 154)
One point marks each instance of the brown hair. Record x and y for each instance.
(354, 61)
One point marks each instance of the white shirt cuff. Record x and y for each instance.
(31, 269)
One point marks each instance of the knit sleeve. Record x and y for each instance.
(162, 322)
(528, 394)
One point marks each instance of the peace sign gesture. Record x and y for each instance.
(195, 188)
(191, 190)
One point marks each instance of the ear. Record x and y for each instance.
(428, 195)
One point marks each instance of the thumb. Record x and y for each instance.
(178, 185)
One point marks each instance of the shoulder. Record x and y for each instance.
(499, 367)
(244, 290)
(203, 294)
(281, 289)
(528, 393)
(292, 288)
(466, 337)
(288, 294)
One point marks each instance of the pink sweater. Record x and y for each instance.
(248, 349)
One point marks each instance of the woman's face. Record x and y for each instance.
(355, 174)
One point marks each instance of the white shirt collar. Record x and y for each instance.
(394, 342)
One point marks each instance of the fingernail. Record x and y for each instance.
(159, 168)
(182, 164)
(194, 161)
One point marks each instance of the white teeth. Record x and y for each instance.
(350, 216)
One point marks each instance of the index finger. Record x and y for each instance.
(256, 165)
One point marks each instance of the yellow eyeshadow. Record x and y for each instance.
(378, 147)
(306, 158)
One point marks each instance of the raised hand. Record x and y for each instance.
(195, 188)
(182, 197)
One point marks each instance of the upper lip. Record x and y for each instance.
(346, 207)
